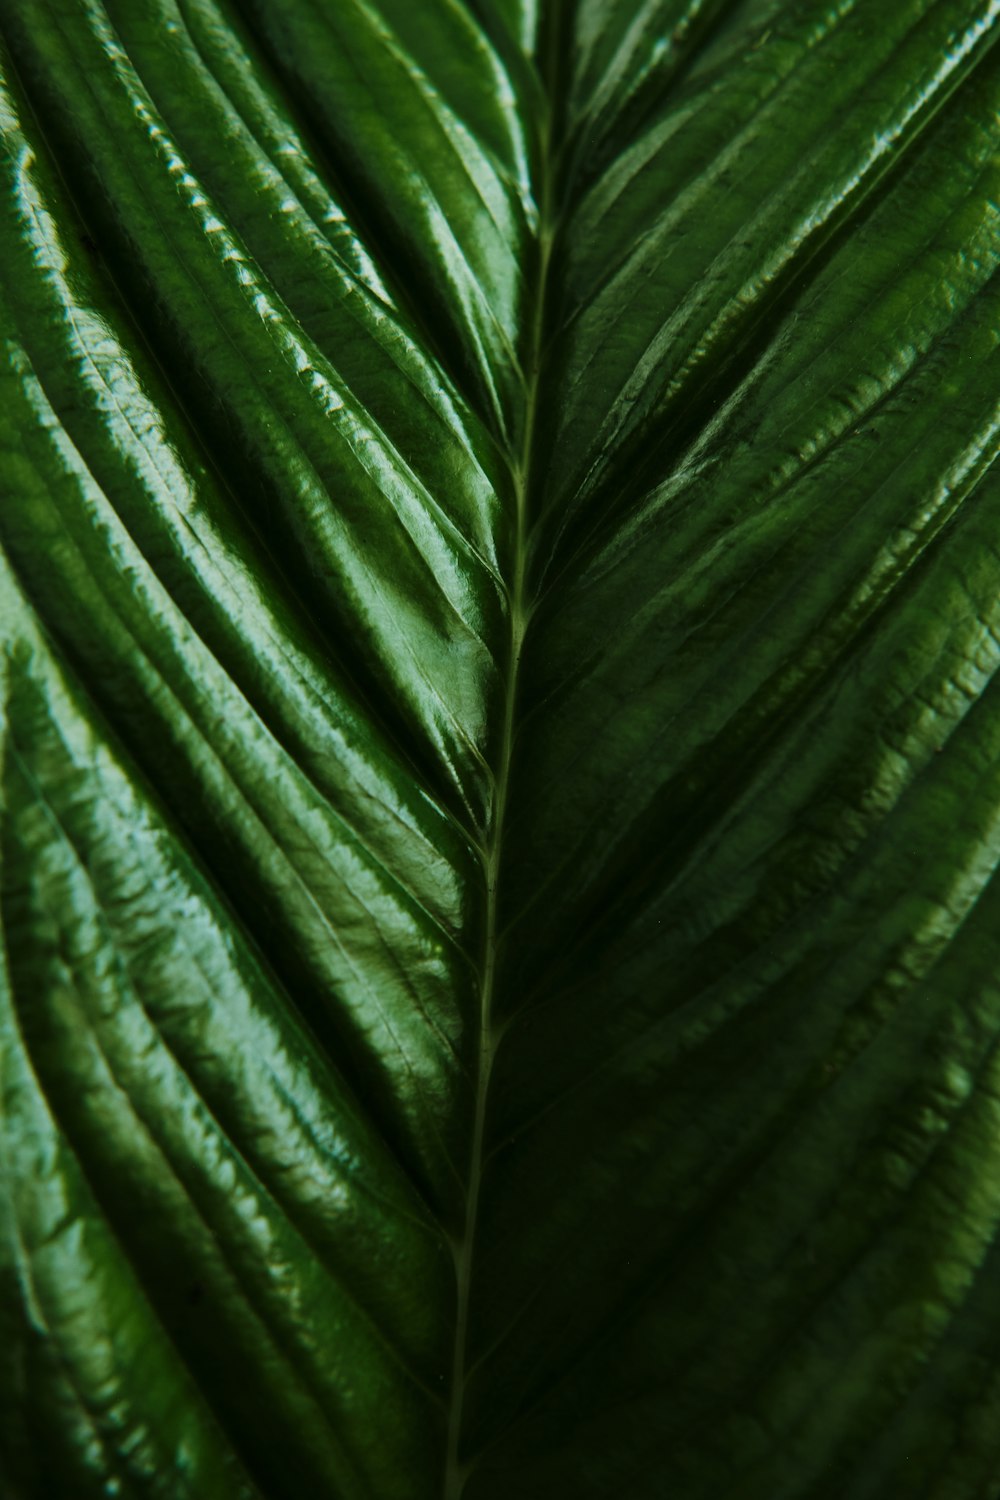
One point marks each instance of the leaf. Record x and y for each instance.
(500, 793)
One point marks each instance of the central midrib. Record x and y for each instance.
(520, 609)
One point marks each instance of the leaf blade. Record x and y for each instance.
(565, 675)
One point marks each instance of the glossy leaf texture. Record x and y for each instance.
(500, 777)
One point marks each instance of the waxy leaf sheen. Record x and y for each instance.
(500, 750)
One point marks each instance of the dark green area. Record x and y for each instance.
(500, 756)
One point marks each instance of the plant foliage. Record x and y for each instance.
(500, 578)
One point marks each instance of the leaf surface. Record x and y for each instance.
(500, 796)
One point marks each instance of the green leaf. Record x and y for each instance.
(500, 770)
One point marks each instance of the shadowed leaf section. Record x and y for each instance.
(500, 759)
